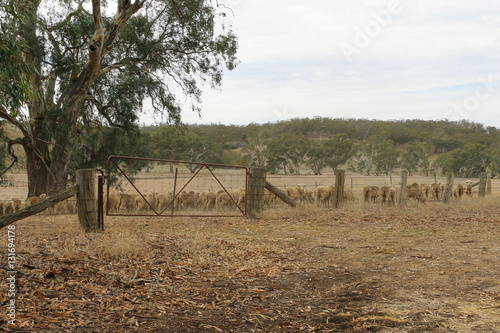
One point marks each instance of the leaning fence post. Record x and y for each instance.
(86, 199)
(255, 193)
(449, 187)
(402, 187)
(338, 193)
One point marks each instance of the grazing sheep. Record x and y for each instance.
(391, 200)
(436, 192)
(295, 192)
(383, 194)
(468, 188)
(207, 200)
(269, 198)
(323, 195)
(242, 197)
(458, 191)
(308, 196)
(2, 208)
(163, 200)
(415, 191)
(17, 204)
(370, 193)
(59, 208)
(187, 200)
(348, 195)
(127, 202)
(144, 205)
(113, 202)
(227, 201)
(426, 190)
(9, 209)
(34, 200)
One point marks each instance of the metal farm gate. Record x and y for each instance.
(155, 187)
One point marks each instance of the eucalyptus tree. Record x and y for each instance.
(338, 149)
(287, 152)
(97, 62)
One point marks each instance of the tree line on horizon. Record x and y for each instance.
(318, 145)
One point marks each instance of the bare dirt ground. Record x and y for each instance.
(363, 268)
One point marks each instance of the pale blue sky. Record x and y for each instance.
(360, 59)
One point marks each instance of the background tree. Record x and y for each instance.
(364, 158)
(316, 156)
(416, 157)
(256, 152)
(177, 143)
(386, 158)
(470, 161)
(89, 68)
(287, 152)
(338, 150)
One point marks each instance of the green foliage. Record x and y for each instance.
(97, 144)
(309, 144)
(316, 157)
(15, 86)
(256, 153)
(470, 161)
(86, 74)
(177, 143)
(338, 150)
(286, 152)
(416, 157)
(367, 155)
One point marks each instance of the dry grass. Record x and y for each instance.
(364, 267)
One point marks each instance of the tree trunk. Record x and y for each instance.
(38, 175)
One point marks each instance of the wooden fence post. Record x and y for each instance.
(100, 203)
(448, 190)
(338, 193)
(482, 185)
(402, 188)
(86, 200)
(255, 193)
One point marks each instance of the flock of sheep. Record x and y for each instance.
(234, 199)
(64, 207)
(321, 196)
(420, 192)
(207, 200)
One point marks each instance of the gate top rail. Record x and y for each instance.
(176, 161)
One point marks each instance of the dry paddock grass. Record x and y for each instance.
(362, 268)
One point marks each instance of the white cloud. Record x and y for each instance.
(430, 56)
